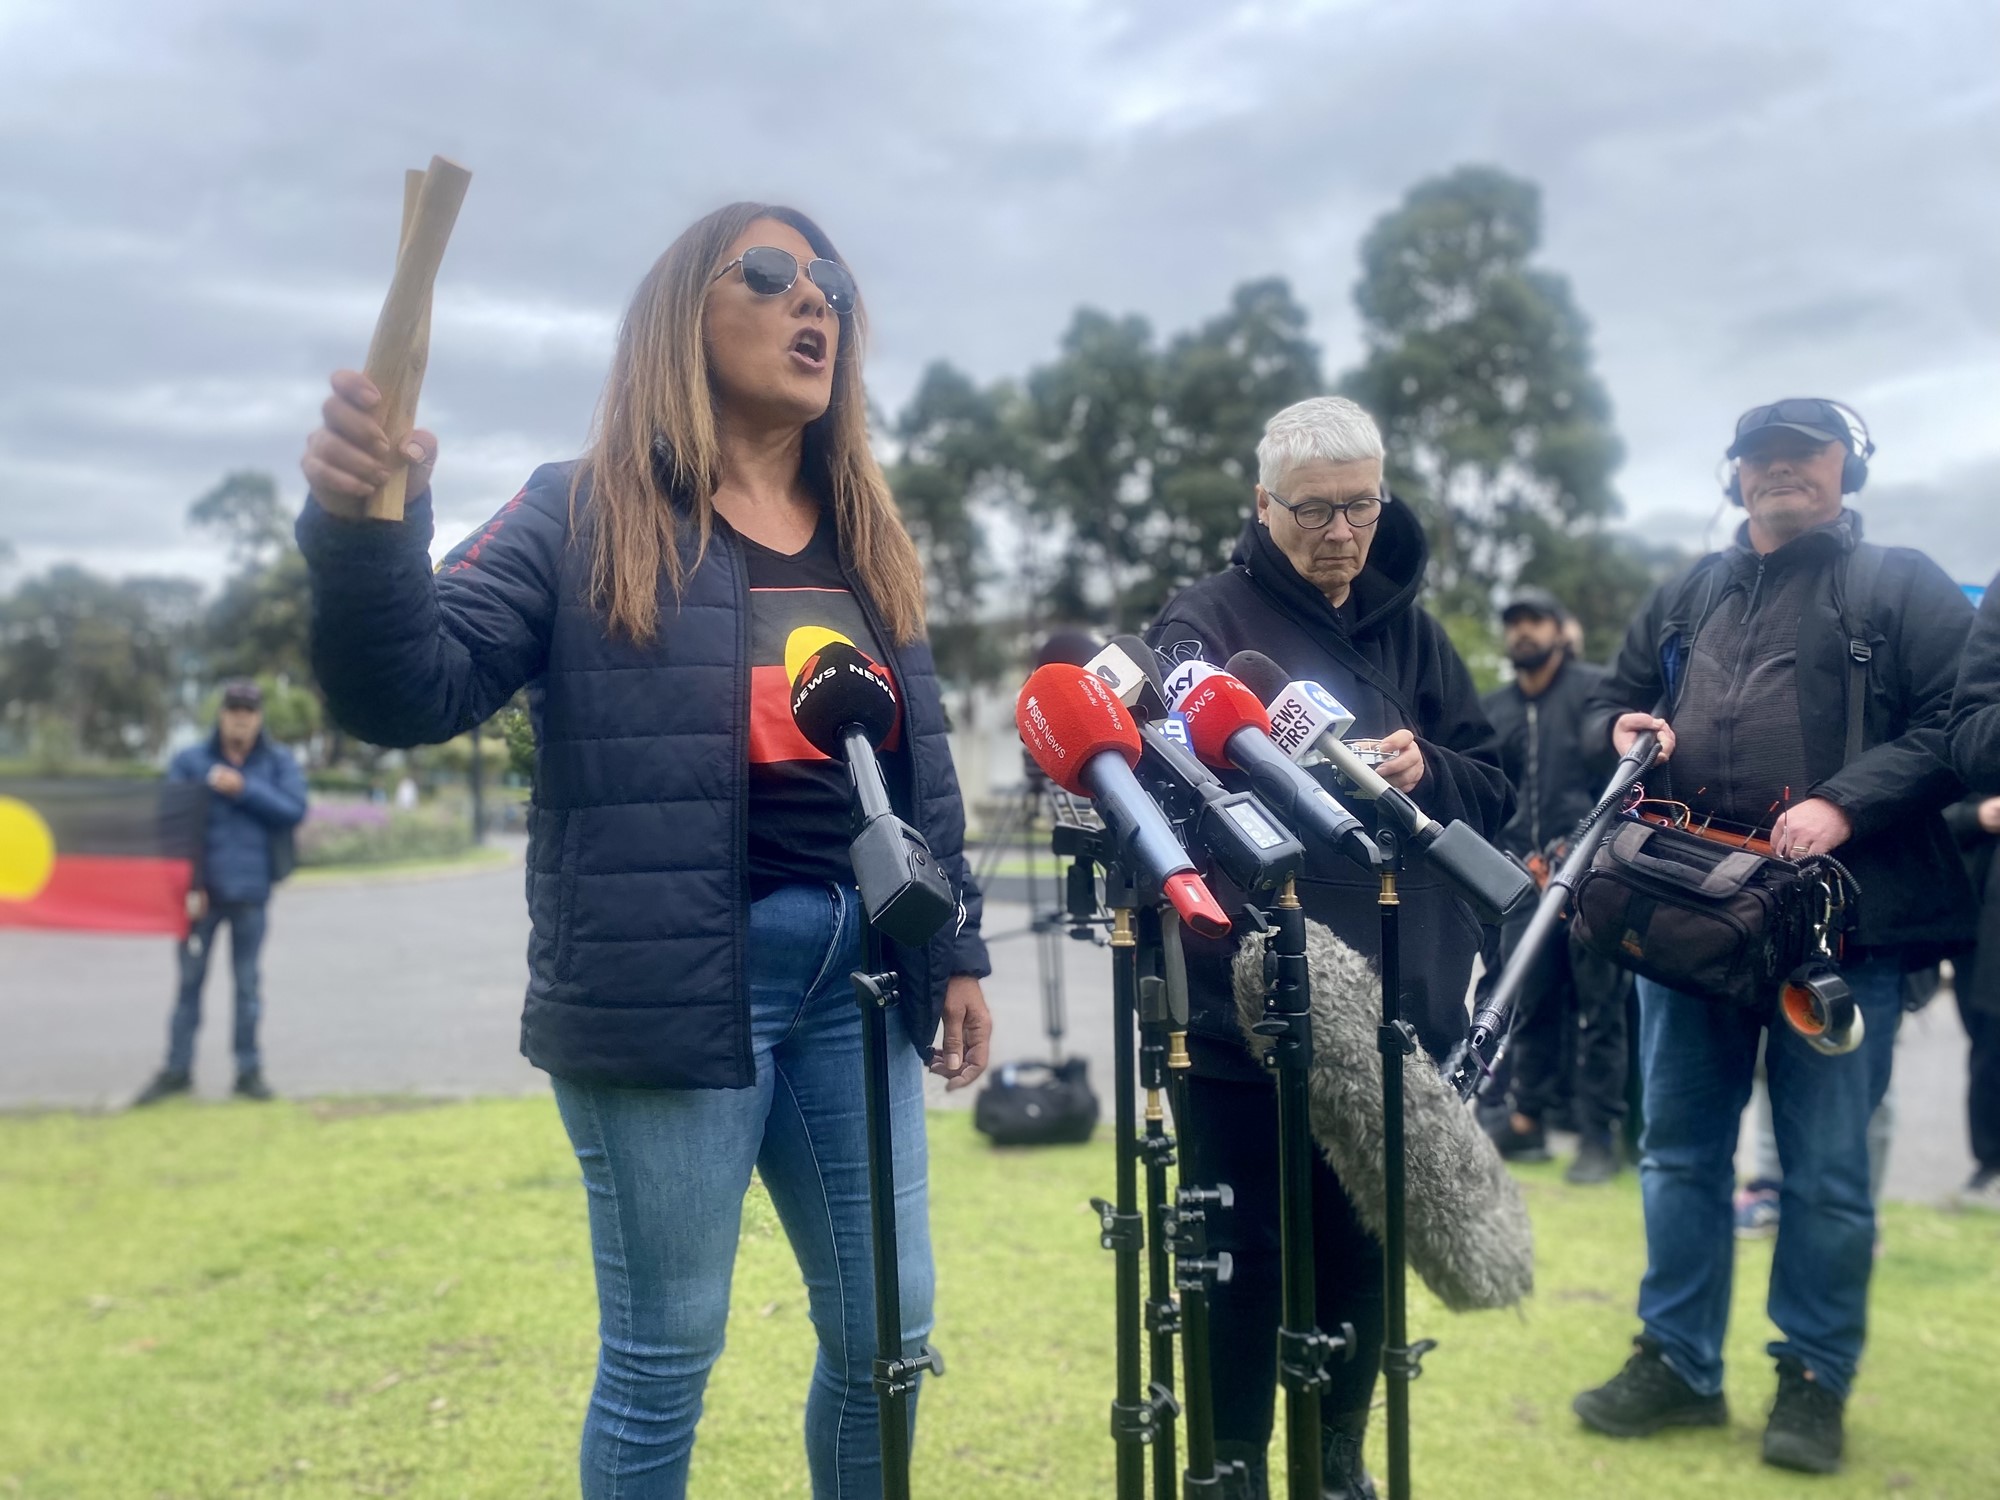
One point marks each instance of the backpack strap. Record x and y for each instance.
(1855, 583)
(1368, 672)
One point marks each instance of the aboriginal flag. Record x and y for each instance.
(99, 856)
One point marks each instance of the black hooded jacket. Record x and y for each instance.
(1915, 900)
(1975, 706)
(1543, 754)
(1414, 680)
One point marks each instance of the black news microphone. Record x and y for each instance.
(1491, 883)
(845, 707)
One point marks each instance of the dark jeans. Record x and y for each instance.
(1697, 1059)
(1569, 1042)
(246, 941)
(1233, 1138)
(1982, 1093)
(665, 1172)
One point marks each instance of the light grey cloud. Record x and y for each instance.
(198, 208)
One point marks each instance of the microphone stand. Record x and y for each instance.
(877, 987)
(1121, 1229)
(1402, 1361)
(1138, 1418)
(1184, 1225)
(1156, 1148)
(1303, 1349)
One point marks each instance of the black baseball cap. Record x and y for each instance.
(1529, 600)
(242, 693)
(1817, 419)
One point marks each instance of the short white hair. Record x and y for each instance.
(1327, 427)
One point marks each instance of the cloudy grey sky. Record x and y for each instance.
(198, 207)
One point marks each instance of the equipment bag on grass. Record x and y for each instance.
(1037, 1104)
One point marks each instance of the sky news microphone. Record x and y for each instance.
(845, 706)
(1086, 743)
(1306, 717)
(1227, 726)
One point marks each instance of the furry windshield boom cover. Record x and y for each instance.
(1467, 1226)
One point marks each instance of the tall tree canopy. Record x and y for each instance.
(259, 624)
(1479, 370)
(92, 665)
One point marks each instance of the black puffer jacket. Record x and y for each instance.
(1542, 752)
(1978, 973)
(1914, 896)
(637, 836)
(1975, 707)
(1261, 603)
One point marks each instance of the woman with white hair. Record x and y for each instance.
(1325, 581)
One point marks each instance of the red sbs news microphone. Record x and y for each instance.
(1086, 743)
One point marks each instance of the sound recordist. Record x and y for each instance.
(1806, 677)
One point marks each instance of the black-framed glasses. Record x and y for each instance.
(770, 272)
(1316, 515)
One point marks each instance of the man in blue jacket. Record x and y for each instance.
(256, 798)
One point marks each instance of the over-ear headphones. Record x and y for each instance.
(1813, 412)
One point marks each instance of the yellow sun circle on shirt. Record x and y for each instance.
(803, 642)
(27, 851)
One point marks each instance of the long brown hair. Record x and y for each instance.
(654, 443)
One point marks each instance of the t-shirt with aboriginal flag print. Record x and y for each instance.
(801, 804)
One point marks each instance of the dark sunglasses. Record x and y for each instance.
(1317, 515)
(771, 272)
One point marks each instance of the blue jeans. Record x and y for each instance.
(1697, 1059)
(246, 941)
(666, 1171)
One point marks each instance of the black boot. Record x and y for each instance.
(1517, 1144)
(1804, 1432)
(1253, 1476)
(1343, 1476)
(250, 1085)
(166, 1083)
(1647, 1395)
(1596, 1161)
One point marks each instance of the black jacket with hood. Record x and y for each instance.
(1543, 753)
(1262, 603)
(1975, 706)
(1915, 900)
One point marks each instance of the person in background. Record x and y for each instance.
(1975, 748)
(1569, 1039)
(257, 796)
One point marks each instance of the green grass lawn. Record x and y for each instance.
(355, 1298)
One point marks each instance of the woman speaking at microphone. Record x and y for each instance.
(694, 915)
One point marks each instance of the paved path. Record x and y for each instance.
(412, 984)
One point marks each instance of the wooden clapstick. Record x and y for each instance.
(405, 418)
(401, 346)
